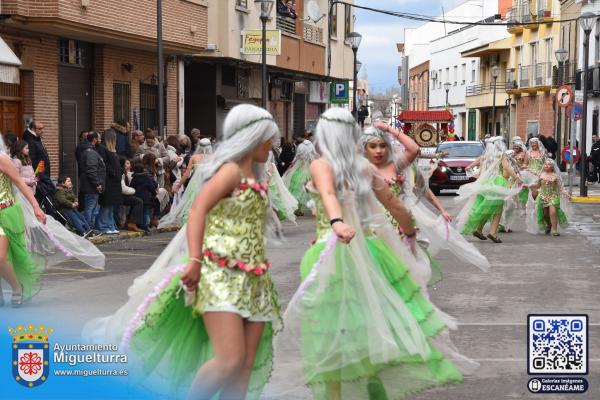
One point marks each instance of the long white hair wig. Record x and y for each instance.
(337, 136)
(204, 147)
(371, 133)
(245, 127)
(541, 147)
(494, 150)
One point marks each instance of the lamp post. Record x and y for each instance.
(265, 7)
(354, 38)
(161, 70)
(561, 56)
(495, 73)
(586, 20)
(447, 88)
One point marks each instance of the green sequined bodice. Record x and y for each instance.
(549, 189)
(6, 193)
(235, 226)
(323, 228)
(536, 165)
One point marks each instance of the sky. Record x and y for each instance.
(380, 33)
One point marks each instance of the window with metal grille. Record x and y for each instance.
(241, 3)
(148, 106)
(70, 52)
(121, 101)
(334, 21)
(348, 21)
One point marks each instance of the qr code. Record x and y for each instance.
(557, 344)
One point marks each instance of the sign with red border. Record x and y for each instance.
(566, 154)
(564, 96)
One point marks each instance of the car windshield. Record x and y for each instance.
(470, 150)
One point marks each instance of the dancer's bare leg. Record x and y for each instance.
(7, 271)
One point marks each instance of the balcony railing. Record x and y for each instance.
(544, 9)
(485, 88)
(564, 75)
(286, 24)
(313, 34)
(511, 79)
(519, 14)
(524, 77)
(542, 74)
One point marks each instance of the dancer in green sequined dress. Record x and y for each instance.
(536, 156)
(18, 266)
(549, 214)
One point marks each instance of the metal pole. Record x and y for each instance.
(494, 109)
(571, 158)
(559, 118)
(582, 178)
(447, 105)
(507, 105)
(265, 89)
(161, 70)
(354, 109)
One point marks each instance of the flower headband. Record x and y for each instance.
(340, 120)
(254, 121)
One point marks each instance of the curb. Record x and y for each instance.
(125, 235)
(588, 199)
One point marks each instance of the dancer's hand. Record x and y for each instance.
(344, 232)
(191, 275)
(446, 216)
(381, 125)
(40, 215)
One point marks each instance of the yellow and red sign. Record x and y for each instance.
(252, 42)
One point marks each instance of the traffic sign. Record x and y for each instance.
(566, 154)
(575, 111)
(564, 96)
(339, 92)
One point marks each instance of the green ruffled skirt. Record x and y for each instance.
(28, 267)
(484, 209)
(523, 196)
(396, 379)
(296, 181)
(172, 344)
(539, 211)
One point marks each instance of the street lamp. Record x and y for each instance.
(265, 7)
(561, 56)
(495, 73)
(354, 38)
(447, 88)
(586, 20)
(160, 66)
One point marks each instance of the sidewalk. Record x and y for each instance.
(125, 234)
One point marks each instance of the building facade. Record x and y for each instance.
(88, 64)
(418, 87)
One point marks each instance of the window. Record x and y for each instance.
(473, 71)
(241, 3)
(439, 78)
(70, 52)
(447, 75)
(463, 75)
(121, 101)
(228, 75)
(348, 21)
(334, 21)
(534, 53)
(533, 128)
(597, 43)
(455, 74)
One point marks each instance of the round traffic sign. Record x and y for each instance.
(564, 96)
(575, 111)
(566, 154)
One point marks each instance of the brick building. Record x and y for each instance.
(418, 87)
(86, 64)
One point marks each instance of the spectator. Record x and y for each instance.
(175, 160)
(37, 151)
(111, 198)
(286, 157)
(195, 135)
(135, 217)
(80, 145)
(123, 145)
(145, 188)
(10, 140)
(363, 113)
(185, 145)
(66, 204)
(595, 160)
(282, 9)
(21, 160)
(92, 176)
(291, 9)
(152, 146)
(137, 139)
(162, 196)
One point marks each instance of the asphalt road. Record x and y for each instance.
(530, 274)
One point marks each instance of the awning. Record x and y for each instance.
(412, 116)
(9, 64)
(489, 48)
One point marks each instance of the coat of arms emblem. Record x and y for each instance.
(30, 354)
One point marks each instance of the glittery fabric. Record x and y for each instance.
(549, 191)
(398, 191)
(6, 193)
(235, 229)
(536, 165)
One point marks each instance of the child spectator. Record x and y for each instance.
(66, 204)
(22, 162)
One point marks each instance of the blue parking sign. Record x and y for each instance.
(339, 92)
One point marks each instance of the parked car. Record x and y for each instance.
(451, 171)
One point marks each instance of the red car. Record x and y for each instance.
(451, 171)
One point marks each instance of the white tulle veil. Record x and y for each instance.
(52, 240)
(287, 200)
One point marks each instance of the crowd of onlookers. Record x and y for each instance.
(126, 179)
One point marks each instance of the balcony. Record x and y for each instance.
(544, 10)
(542, 76)
(524, 77)
(531, 78)
(313, 34)
(482, 96)
(518, 16)
(512, 84)
(485, 88)
(565, 75)
(286, 25)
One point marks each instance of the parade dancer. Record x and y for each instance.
(298, 174)
(359, 326)
(434, 232)
(550, 212)
(220, 344)
(536, 156)
(282, 201)
(485, 197)
(29, 239)
(520, 155)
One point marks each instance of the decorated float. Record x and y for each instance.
(428, 128)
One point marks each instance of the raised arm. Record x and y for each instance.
(412, 149)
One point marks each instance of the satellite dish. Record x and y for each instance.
(314, 11)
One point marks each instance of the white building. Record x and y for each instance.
(442, 45)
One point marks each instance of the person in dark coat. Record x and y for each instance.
(145, 188)
(37, 151)
(111, 199)
(135, 216)
(92, 175)
(288, 152)
(123, 142)
(594, 175)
